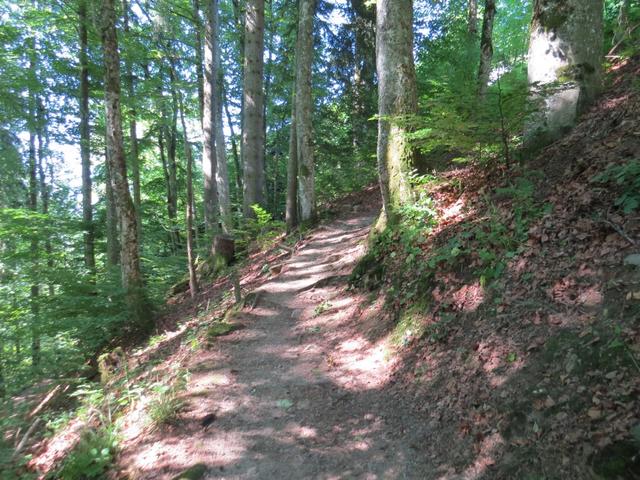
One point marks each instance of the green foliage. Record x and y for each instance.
(164, 408)
(91, 457)
(626, 178)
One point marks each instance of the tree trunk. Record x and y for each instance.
(472, 19)
(234, 147)
(222, 171)
(193, 280)
(113, 243)
(365, 89)
(129, 252)
(486, 47)
(172, 200)
(253, 113)
(85, 149)
(209, 153)
(133, 139)
(622, 23)
(291, 212)
(565, 65)
(197, 24)
(304, 111)
(397, 98)
(32, 203)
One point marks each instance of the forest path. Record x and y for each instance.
(300, 392)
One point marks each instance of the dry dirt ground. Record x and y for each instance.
(298, 393)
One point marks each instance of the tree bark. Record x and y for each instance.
(486, 47)
(304, 112)
(253, 113)
(133, 139)
(291, 211)
(132, 280)
(397, 99)
(113, 242)
(472, 19)
(222, 171)
(209, 153)
(85, 139)
(197, 24)
(565, 65)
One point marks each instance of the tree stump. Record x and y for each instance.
(224, 247)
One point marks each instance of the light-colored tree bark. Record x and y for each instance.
(565, 64)
(113, 242)
(304, 111)
(291, 210)
(197, 25)
(209, 154)
(85, 150)
(472, 18)
(253, 113)
(134, 158)
(486, 47)
(132, 280)
(397, 100)
(222, 171)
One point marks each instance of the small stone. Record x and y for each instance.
(633, 259)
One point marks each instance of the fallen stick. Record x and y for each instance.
(25, 438)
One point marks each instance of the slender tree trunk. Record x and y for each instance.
(133, 139)
(472, 19)
(622, 23)
(129, 251)
(209, 153)
(486, 47)
(85, 149)
(365, 88)
(291, 211)
(234, 148)
(565, 65)
(253, 113)
(304, 112)
(397, 97)
(172, 201)
(197, 24)
(193, 280)
(222, 171)
(45, 191)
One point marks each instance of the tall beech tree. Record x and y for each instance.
(132, 280)
(397, 100)
(252, 108)
(565, 64)
(304, 111)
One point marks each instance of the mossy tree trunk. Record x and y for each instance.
(397, 102)
(565, 64)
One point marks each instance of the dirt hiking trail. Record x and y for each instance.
(298, 393)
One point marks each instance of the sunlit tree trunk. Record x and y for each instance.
(133, 138)
(291, 212)
(253, 113)
(113, 242)
(472, 18)
(565, 64)
(304, 111)
(85, 149)
(197, 24)
(397, 99)
(209, 153)
(222, 171)
(132, 280)
(486, 47)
